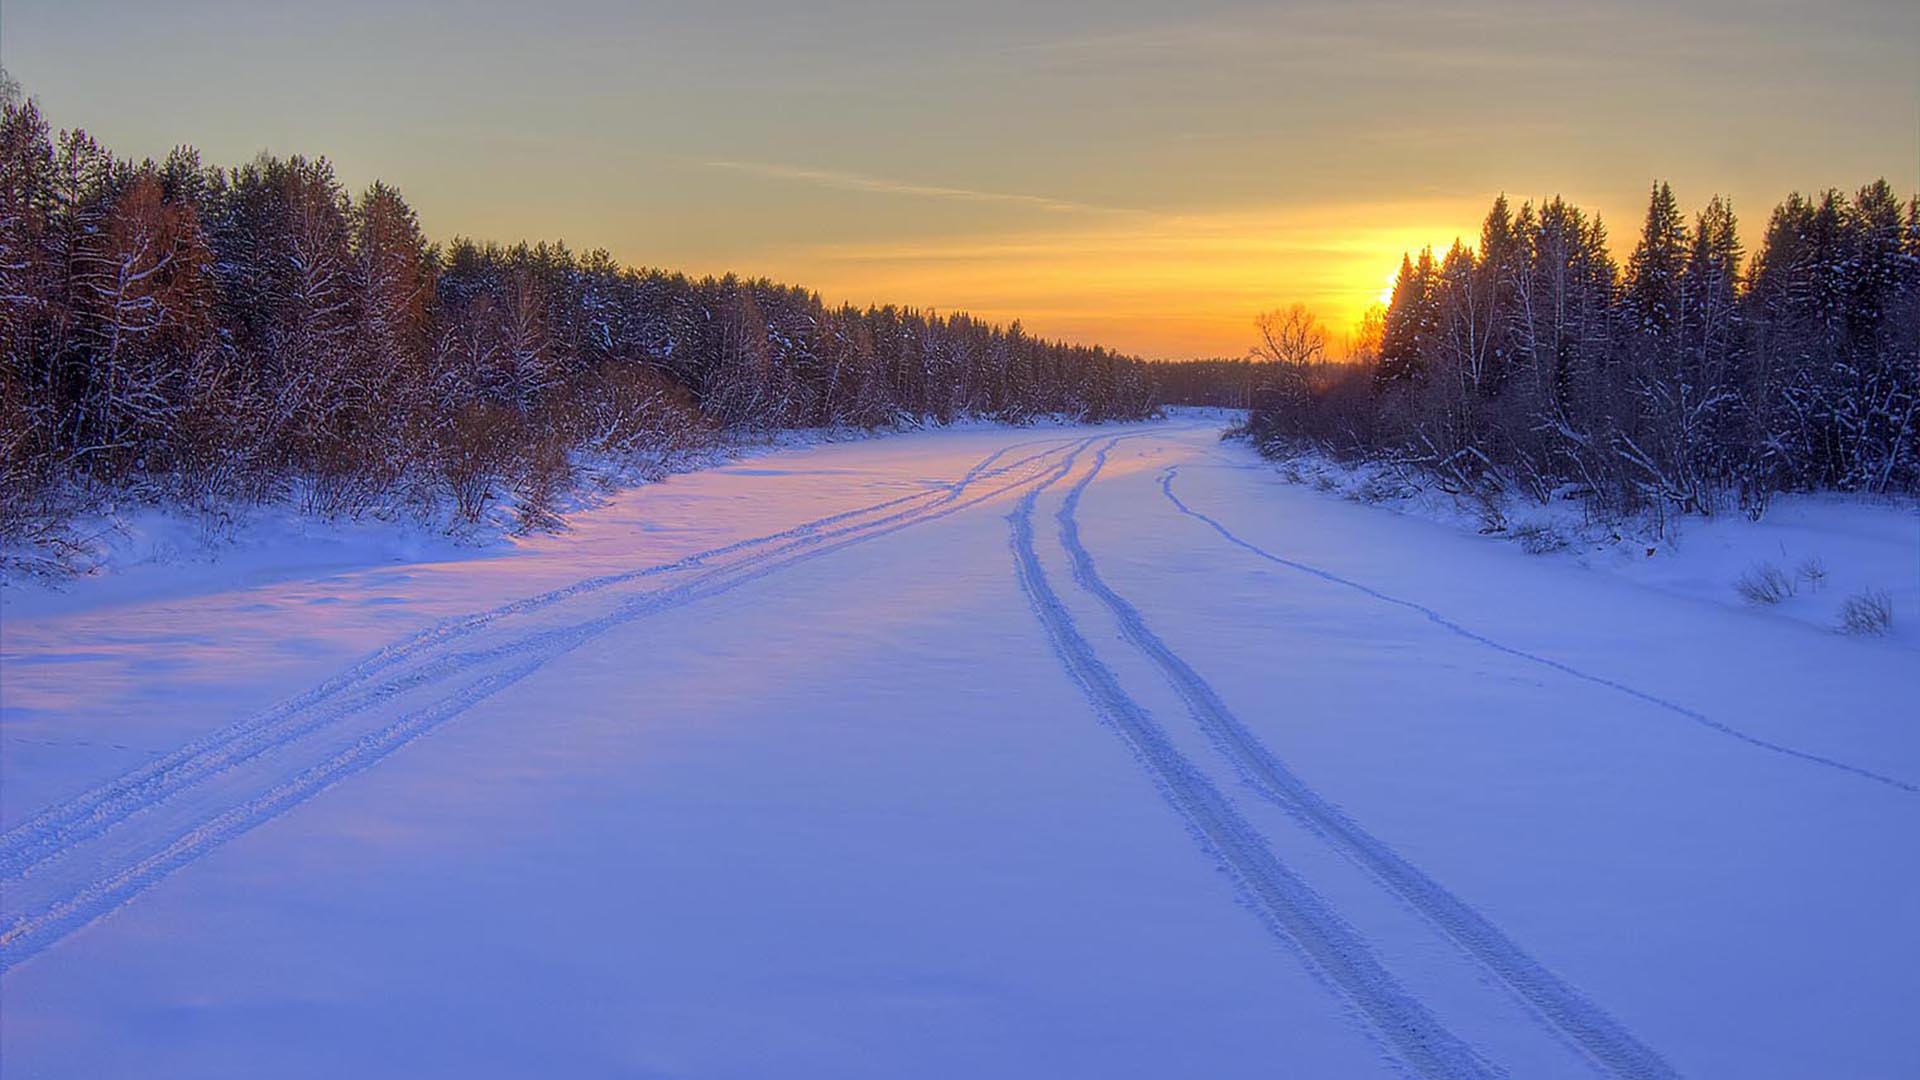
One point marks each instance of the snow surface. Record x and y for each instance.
(1044, 752)
(1830, 547)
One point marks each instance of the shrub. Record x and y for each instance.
(1765, 583)
(1539, 538)
(1381, 487)
(544, 477)
(475, 449)
(1869, 611)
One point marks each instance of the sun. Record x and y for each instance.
(1386, 292)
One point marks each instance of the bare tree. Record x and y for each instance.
(1291, 336)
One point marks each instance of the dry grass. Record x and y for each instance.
(1538, 538)
(1869, 611)
(1765, 583)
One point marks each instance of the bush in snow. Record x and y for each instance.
(1867, 612)
(1765, 584)
(1539, 538)
(1382, 487)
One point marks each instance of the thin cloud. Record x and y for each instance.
(1379, 37)
(851, 181)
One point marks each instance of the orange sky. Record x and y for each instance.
(1188, 283)
(1109, 171)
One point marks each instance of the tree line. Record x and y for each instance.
(1690, 380)
(256, 333)
(1225, 382)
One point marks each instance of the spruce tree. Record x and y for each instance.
(1654, 271)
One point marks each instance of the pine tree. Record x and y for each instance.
(1497, 274)
(1411, 319)
(391, 281)
(1653, 273)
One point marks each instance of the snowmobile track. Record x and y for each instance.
(111, 884)
(54, 829)
(1586, 1025)
(1291, 909)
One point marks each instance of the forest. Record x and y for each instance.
(1692, 380)
(199, 335)
(178, 332)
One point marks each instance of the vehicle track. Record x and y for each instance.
(1587, 1026)
(1166, 486)
(111, 882)
(32, 934)
(56, 828)
(1289, 907)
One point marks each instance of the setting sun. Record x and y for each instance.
(1385, 296)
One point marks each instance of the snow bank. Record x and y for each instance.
(1820, 551)
(150, 552)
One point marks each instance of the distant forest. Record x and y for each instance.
(1692, 380)
(200, 335)
(205, 334)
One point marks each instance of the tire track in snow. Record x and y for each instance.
(112, 886)
(1289, 907)
(29, 936)
(54, 829)
(1166, 486)
(1587, 1026)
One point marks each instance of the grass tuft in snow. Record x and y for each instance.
(1540, 537)
(1869, 611)
(1765, 583)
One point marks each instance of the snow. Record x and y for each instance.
(1052, 751)
(151, 551)
(1851, 544)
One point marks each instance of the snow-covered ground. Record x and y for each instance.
(1045, 752)
(1822, 550)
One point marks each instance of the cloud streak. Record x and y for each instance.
(880, 185)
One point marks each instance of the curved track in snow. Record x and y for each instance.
(1441, 620)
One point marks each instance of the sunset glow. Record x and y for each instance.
(1106, 173)
(1031, 539)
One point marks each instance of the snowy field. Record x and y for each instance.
(1049, 752)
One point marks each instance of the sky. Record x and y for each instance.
(1147, 176)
